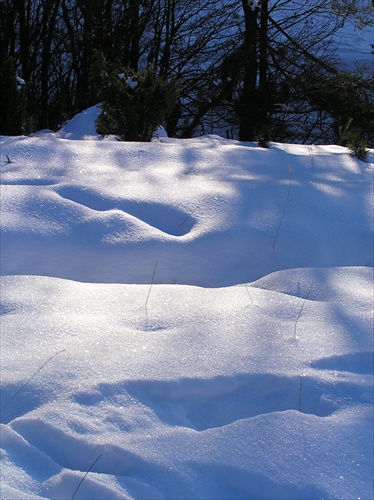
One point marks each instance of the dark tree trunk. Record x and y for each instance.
(264, 97)
(248, 110)
(24, 30)
(134, 35)
(50, 10)
(8, 28)
(86, 51)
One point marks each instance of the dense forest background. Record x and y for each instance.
(248, 69)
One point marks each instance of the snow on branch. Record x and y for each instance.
(253, 4)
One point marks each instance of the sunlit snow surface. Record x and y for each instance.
(185, 319)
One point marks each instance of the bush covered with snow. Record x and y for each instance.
(134, 104)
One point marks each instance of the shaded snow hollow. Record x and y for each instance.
(185, 319)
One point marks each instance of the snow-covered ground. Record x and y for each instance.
(355, 46)
(185, 319)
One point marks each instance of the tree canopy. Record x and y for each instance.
(252, 69)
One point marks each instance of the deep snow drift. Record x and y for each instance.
(185, 319)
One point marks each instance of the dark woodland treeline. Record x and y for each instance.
(252, 70)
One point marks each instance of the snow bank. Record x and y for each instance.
(185, 319)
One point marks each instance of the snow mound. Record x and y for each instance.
(82, 126)
(185, 319)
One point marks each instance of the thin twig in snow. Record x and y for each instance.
(149, 291)
(249, 295)
(29, 380)
(84, 477)
(301, 309)
(285, 205)
(310, 150)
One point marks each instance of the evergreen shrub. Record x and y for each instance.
(134, 104)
